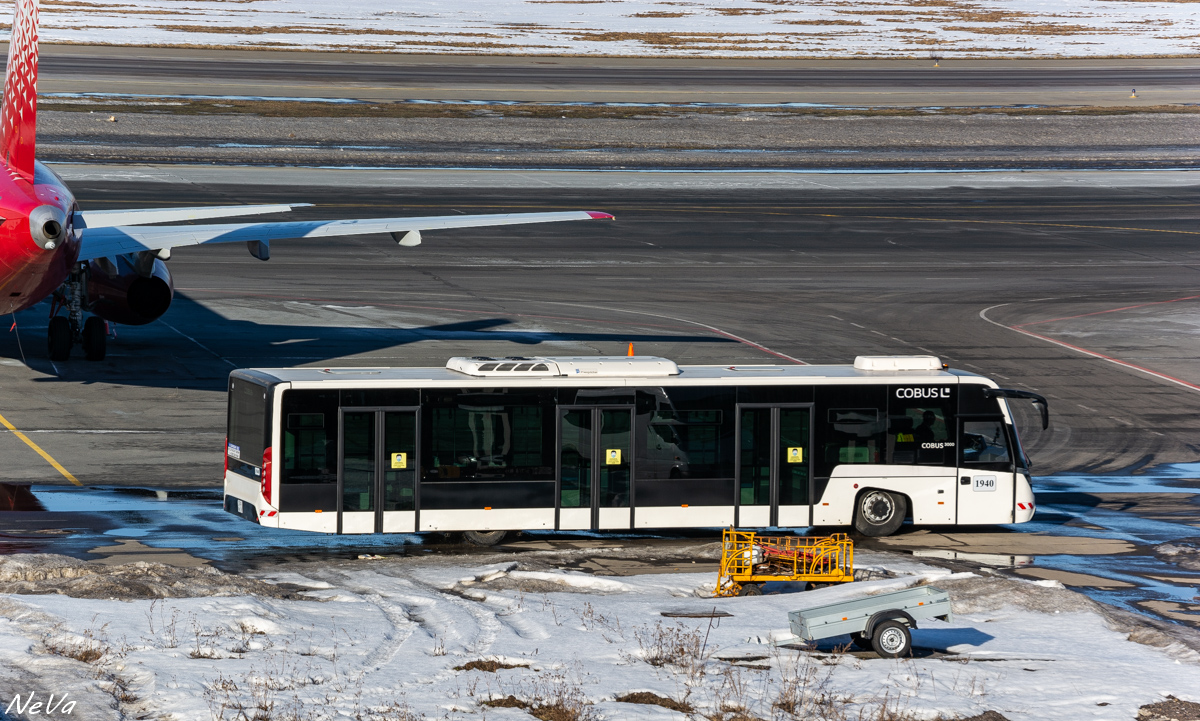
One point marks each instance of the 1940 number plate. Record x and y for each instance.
(984, 483)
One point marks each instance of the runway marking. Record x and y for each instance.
(49, 459)
(1010, 222)
(218, 356)
(1085, 351)
(1114, 310)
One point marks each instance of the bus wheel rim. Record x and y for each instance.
(871, 507)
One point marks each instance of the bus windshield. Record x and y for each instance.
(247, 427)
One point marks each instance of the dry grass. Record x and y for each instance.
(876, 12)
(746, 11)
(659, 14)
(823, 22)
(488, 666)
(548, 696)
(90, 647)
(1032, 29)
(645, 697)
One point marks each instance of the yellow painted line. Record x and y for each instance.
(49, 459)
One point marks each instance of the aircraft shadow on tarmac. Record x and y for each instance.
(193, 346)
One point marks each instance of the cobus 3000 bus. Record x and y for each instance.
(490, 445)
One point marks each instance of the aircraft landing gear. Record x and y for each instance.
(59, 338)
(95, 339)
(65, 331)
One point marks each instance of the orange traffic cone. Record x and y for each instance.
(630, 353)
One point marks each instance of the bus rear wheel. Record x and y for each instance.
(484, 538)
(879, 513)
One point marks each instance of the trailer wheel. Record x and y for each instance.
(750, 589)
(879, 513)
(860, 641)
(484, 538)
(891, 639)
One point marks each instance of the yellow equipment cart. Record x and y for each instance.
(749, 560)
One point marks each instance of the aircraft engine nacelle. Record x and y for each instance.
(133, 291)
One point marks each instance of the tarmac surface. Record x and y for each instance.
(390, 77)
(1082, 287)
(694, 140)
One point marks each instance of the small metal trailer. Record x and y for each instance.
(880, 623)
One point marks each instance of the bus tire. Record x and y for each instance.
(879, 513)
(891, 639)
(484, 538)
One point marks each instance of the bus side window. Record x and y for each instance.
(984, 442)
(851, 426)
(921, 425)
(309, 437)
(488, 434)
(853, 435)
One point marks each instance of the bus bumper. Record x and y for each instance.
(1025, 503)
(242, 508)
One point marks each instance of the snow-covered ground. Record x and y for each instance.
(388, 638)
(736, 28)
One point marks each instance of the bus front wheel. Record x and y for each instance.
(879, 513)
(484, 538)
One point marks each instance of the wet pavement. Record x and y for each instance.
(1106, 543)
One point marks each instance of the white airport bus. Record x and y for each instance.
(490, 445)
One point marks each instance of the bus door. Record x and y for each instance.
(377, 470)
(986, 484)
(595, 467)
(774, 466)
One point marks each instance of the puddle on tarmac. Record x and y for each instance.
(1159, 506)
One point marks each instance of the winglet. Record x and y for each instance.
(599, 216)
(18, 116)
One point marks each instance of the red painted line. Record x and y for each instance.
(1114, 310)
(1110, 359)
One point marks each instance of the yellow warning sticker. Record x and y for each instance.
(399, 460)
(795, 455)
(612, 457)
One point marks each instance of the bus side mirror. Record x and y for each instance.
(1040, 401)
(1041, 405)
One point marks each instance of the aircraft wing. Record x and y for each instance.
(110, 218)
(118, 240)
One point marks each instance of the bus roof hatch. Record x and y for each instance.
(590, 366)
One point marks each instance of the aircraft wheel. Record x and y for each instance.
(95, 339)
(58, 338)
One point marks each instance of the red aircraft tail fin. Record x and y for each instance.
(18, 116)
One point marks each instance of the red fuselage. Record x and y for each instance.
(29, 273)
